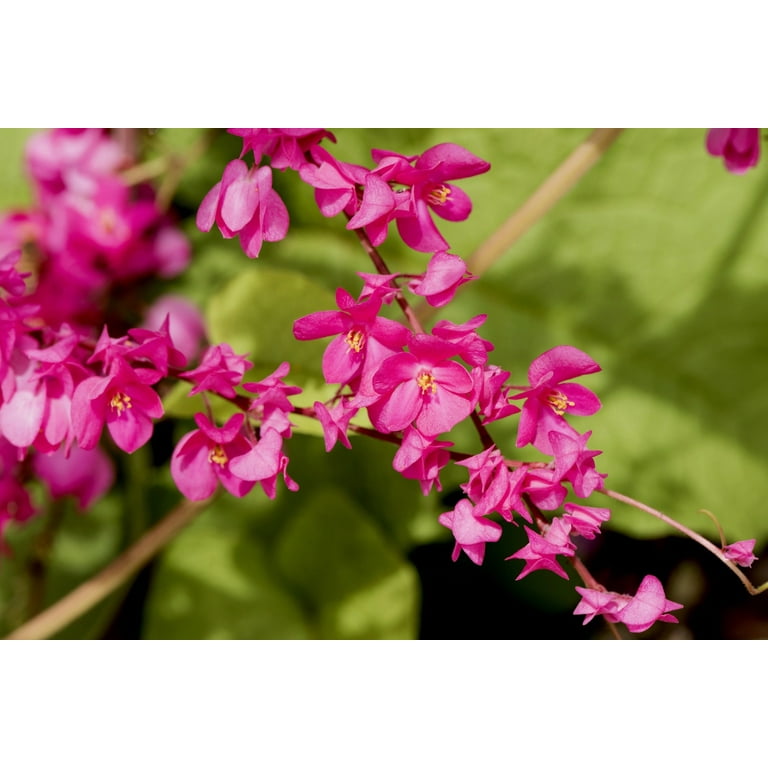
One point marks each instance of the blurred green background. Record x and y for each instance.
(655, 264)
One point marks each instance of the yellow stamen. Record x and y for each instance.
(120, 402)
(217, 456)
(427, 383)
(439, 195)
(559, 402)
(356, 340)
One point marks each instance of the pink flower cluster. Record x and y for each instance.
(65, 381)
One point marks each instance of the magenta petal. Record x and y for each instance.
(130, 429)
(319, 324)
(561, 363)
(276, 221)
(585, 402)
(717, 138)
(378, 201)
(262, 461)
(398, 410)
(340, 361)
(206, 213)
(452, 161)
(452, 376)
(190, 468)
(396, 369)
(420, 232)
(457, 206)
(442, 412)
(647, 606)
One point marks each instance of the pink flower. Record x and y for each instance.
(421, 458)
(547, 392)
(220, 371)
(422, 386)
(491, 485)
(585, 521)
(638, 613)
(739, 147)
(541, 551)
(263, 462)
(741, 552)
(121, 401)
(86, 475)
(445, 273)
(573, 462)
(243, 203)
(364, 339)
(201, 459)
(470, 531)
(430, 191)
(335, 422)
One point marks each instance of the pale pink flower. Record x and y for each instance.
(741, 552)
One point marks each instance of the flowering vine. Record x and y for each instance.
(66, 382)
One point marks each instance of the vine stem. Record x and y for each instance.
(93, 591)
(716, 551)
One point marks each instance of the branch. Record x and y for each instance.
(551, 190)
(93, 591)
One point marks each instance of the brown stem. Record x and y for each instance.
(93, 591)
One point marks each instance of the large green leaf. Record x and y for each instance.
(355, 584)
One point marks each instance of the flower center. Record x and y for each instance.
(355, 340)
(119, 402)
(559, 402)
(427, 382)
(438, 195)
(217, 456)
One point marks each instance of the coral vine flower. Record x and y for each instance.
(421, 458)
(201, 459)
(470, 531)
(220, 371)
(445, 273)
(638, 613)
(244, 203)
(541, 551)
(422, 386)
(739, 147)
(741, 552)
(364, 338)
(430, 191)
(547, 391)
(122, 402)
(86, 475)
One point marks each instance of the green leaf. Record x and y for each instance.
(356, 584)
(214, 582)
(255, 313)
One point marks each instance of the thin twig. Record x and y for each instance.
(716, 551)
(93, 591)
